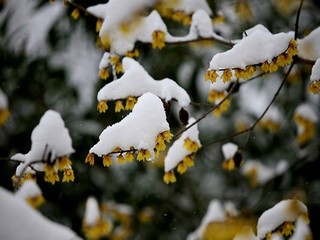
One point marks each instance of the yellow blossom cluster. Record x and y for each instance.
(286, 230)
(115, 61)
(158, 39)
(188, 161)
(306, 129)
(101, 228)
(314, 87)
(269, 125)
(102, 105)
(281, 60)
(4, 115)
(233, 163)
(128, 155)
(61, 164)
(216, 97)
(19, 180)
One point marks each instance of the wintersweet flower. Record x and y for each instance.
(143, 154)
(169, 177)
(118, 106)
(131, 101)
(51, 174)
(226, 75)
(120, 159)
(68, 175)
(75, 14)
(306, 119)
(90, 159)
(102, 106)
(104, 74)
(211, 75)
(63, 162)
(129, 156)
(116, 62)
(314, 86)
(158, 39)
(31, 193)
(107, 160)
(232, 156)
(133, 54)
(98, 24)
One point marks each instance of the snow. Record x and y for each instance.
(20, 221)
(138, 129)
(201, 24)
(305, 110)
(135, 81)
(315, 72)
(92, 212)
(105, 60)
(229, 150)
(215, 213)
(3, 100)
(248, 51)
(302, 230)
(308, 47)
(49, 136)
(177, 151)
(286, 210)
(263, 173)
(28, 189)
(24, 30)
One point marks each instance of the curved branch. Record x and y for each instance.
(297, 20)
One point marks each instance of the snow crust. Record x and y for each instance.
(302, 230)
(286, 210)
(20, 221)
(92, 212)
(177, 152)
(306, 110)
(50, 138)
(248, 50)
(315, 72)
(308, 47)
(229, 150)
(28, 189)
(135, 81)
(138, 129)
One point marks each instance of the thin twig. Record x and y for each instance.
(297, 20)
(207, 113)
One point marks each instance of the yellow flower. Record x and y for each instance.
(98, 24)
(50, 174)
(226, 75)
(4, 115)
(158, 39)
(101, 228)
(314, 87)
(273, 67)
(115, 61)
(190, 145)
(131, 101)
(35, 201)
(25, 177)
(133, 54)
(228, 165)
(90, 159)
(265, 67)
(143, 154)
(103, 73)
(118, 106)
(121, 159)
(182, 167)
(242, 8)
(102, 106)
(215, 95)
(129, 156)
(287, 229)
(169, 177)
(107, 160)
(160, 143)
(63, 162)
(68, 175)
(292, 48)
(75, 14)
(222, 108)
(188, 160)
(211, 75)
(167, 135)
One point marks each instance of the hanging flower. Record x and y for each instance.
(31, 193)
(232, 156)
(314, 86)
